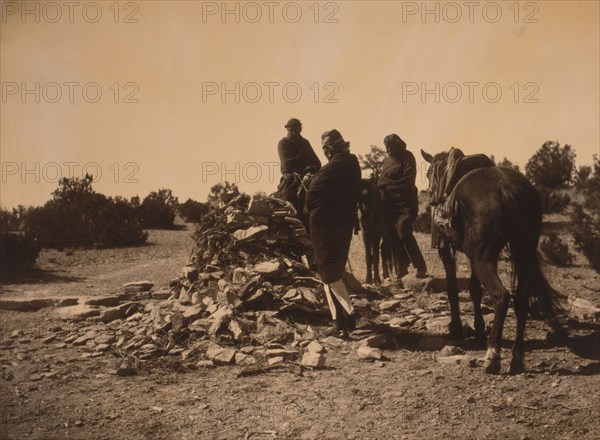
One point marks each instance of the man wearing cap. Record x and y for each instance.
(297, 158)
(332, 201)
(400, 203)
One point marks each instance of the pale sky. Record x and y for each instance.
(372, 59)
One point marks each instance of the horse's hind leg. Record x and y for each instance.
(486, 271)
(452, 288)
(476, 294)
(368, 255)
(517, 364)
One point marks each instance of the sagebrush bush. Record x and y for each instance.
(423, 221)
(77, 216)
(552, 166)
(158, 209)
(585, 219)
(586, 233)
(18, 252)
(556, 251)
(553, 201)
(192, 211)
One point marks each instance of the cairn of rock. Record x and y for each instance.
(247, 274)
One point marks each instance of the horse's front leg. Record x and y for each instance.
(452, 288)
(376, 242)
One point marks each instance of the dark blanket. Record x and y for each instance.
(295, 155)
(332, 202)
(397, 184)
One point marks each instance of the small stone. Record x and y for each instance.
(190, 273)
(105, 339)
(144, 285)
(78, 423)
(389, 304)
(369, 353)
(313, 360)
(104, 301)
(252, 232)
(268, 268)
(236, 329)
(315, 347)
(375, 341)
(78, 312)
(398, 322)
(157, 409)
(205, 364)
(226, 357)
(126, 369)
(450, 350)
(275, 360)
(471, 399)
(457, 359)
(49, 339)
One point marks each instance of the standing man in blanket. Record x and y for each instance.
(401, 204)
(332, 201)
(297, 158)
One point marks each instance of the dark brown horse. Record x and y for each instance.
(376, 239)
(494, 207)
(371, 223)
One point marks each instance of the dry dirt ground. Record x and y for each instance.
(53, 392)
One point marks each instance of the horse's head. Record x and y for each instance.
(436, 175)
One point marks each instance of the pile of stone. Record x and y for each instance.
(247, 297)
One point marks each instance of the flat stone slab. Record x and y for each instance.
(104, 301)
(27, 305)
(78, 312)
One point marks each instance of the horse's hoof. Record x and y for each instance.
(516, 367)
(480, 339)
(455, 332)
(492, 366)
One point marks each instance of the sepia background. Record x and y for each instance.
(193, 93)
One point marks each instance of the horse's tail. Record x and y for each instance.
(523, 208)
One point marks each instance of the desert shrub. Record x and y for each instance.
(556, 251)
(423, 221)
(77, 216)
(583, 176)
(585, 220)
(373, 161)
(18, 252)
(10, 220)
(508, 164)
(223, 193)
(118, 224)
(552, 166)
(586, 233)
(192, 211)
(553, 201)
(158, 209)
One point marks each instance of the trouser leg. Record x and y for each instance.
(405, 233)
(337, 292)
